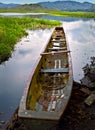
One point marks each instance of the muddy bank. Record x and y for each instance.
(78, 115)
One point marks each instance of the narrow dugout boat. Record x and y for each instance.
(48, 90)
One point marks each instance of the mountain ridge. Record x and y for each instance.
(65, 5)
(11, 5)
(69, 5)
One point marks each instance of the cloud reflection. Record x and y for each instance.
(81, 38)
(15, 72)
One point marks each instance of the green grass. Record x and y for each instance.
(73, 14)
(10, 32)
(12, 29)
(50, 12)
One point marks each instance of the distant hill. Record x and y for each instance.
(24, 7)
(29, 7)
(69, 5)
(64, 5)
(11, 5)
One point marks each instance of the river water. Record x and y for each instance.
(15, 72)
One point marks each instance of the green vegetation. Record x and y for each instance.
(25, 8)
(12, 29)
(10, 32)
(73, 14)
(37, 8)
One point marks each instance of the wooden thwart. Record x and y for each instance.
(57, 70)
(63, 40)
(61, 48)
(58, 52)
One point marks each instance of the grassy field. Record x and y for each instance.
(12, 29)
(51, 12)
(73, 14)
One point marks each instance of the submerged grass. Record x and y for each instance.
(12, 29)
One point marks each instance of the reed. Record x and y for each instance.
(12, 29)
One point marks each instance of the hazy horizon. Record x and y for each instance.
(37, 1)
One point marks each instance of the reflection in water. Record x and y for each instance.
(42, 15)
(67, 19)
(15, 72)
(81, 38)
(38, 15)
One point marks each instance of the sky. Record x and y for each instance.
(36, 1)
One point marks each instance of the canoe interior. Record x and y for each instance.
(51, 75)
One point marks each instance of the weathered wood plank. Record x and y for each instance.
(49, 53)
(61, 48)
(57, 70)
(90, 99)
(62, 40)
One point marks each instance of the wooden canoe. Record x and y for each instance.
(48, 90)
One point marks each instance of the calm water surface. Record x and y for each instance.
(14, 73)
(81, 38)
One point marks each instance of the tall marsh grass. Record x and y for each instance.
(12, 29)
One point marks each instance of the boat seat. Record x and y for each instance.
(56, 45)
(54, 49)
(62, 40)
(55, 70)
(52, 53)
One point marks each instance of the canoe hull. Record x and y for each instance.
(56, 70)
